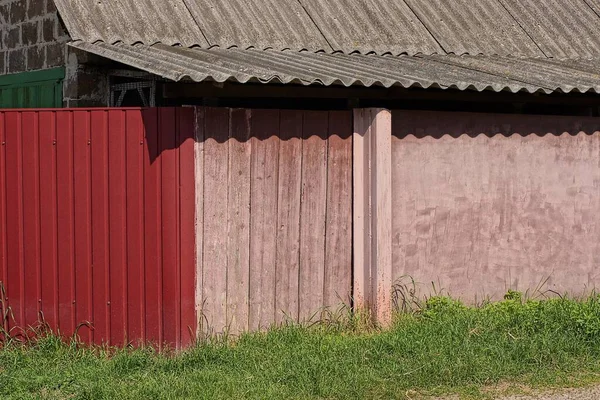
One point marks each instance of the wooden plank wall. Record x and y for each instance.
(97, 223)
(274, 216)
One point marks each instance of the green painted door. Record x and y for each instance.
(39, 89)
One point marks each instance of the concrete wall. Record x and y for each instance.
(485, 203)
(32, 36)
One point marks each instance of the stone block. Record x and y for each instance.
(48, 32)
(35, 8)
(30, 33)
(55, 55)
(18, 12)
(2, 62)
(12, 38)
(16, 61)
(36, 56)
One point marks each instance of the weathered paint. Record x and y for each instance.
(485, 203)
(267, 176)
(373, 213)
(97, 223)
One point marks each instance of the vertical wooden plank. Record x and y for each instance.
(263, 218)
(100, 243)
(48, 218)
(338, 249)
(381, 209)
(135, 225)
(288, 216)
(31, 218)
(187, 227)
(66, 264)
(170, 211)
(83, 223)
(313, 213)
(14, 216)
(199, 113)
(117, 227)
(3, 250)
(361, 210)
(238, 220)
(152, 227)
(216, 154)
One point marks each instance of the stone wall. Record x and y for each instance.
(33, 38)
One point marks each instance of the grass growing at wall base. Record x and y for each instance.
(443, 348)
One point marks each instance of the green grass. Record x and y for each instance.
(442, 348)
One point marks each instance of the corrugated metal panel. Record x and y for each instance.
(97, 223)
(466, 72)
(474, 27)
(371, 26)
(560, 28)
(131, 21)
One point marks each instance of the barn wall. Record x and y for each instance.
(274, 216)
(484, 203)
(97, 224)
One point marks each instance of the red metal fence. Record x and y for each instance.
(97, 223)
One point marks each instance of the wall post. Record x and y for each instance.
(372, 212)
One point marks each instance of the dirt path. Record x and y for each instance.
(592, 393)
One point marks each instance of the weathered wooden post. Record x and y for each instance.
(373, 213)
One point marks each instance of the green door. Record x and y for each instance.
(39, 89)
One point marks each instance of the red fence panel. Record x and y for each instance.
(97, 223)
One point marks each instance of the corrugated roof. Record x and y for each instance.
(561, 28)
(371, 26)
(497, 73)
(523, 28)
(131, 21)
(474, 27)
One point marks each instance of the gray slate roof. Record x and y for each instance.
(515, 45)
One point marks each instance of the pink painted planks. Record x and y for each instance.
(338, 260)
(264, 252)
(98, 228)
(313, 218)
(288, 217)
(214, 232)
(238, 221)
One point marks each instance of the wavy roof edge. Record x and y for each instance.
(478, 73)
(326, 51)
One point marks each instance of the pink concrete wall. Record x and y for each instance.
(485, 203)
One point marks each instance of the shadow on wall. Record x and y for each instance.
(436, 125)
(168, 128)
